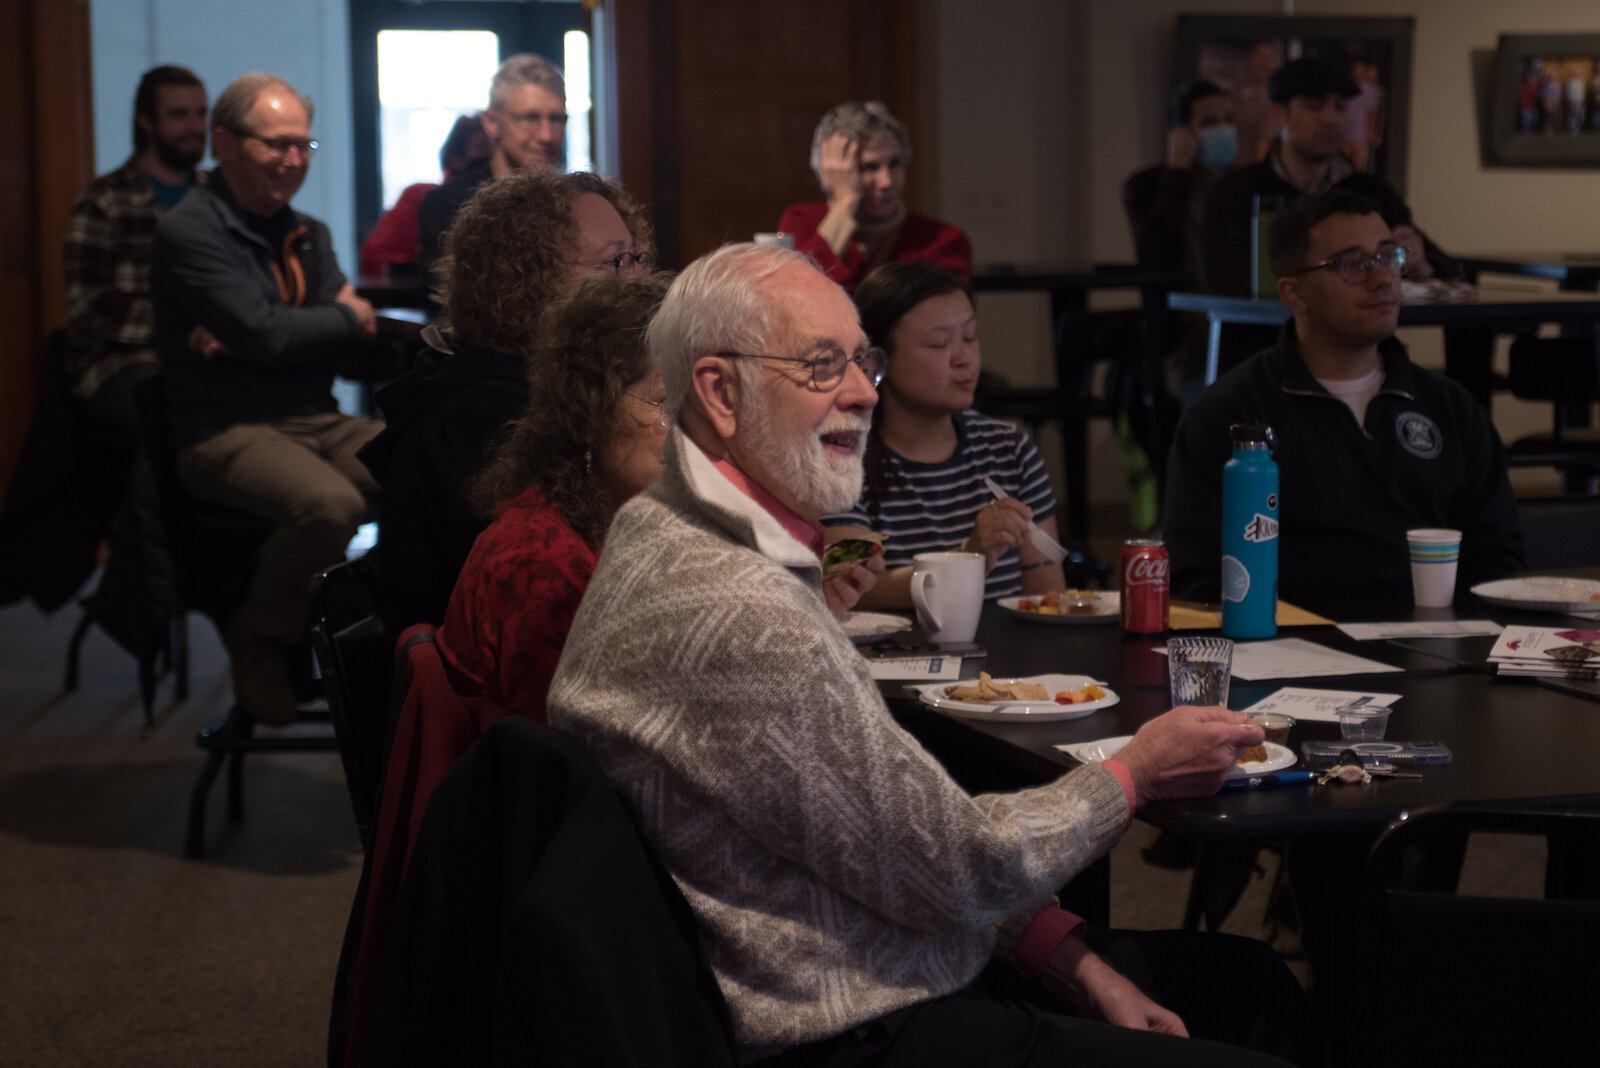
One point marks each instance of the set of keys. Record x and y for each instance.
(1351, 770)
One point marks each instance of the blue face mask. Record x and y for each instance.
(1219, 147)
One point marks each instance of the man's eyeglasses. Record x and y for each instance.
(660, 406)
(1355, 266)
(828, 367)
(529, 120)
(644, 261)
(278, 147)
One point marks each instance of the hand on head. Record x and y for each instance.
(840, 163)
(1002, 525)
(846, 590)
(1187, 752)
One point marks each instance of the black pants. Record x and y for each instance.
(1233, 994)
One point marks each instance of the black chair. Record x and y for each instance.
(1560, 532)
(356, 658)
(212, 552)
(535, 923)
(1451, 978)
(1561, 371)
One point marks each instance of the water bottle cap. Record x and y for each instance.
(1251, 436)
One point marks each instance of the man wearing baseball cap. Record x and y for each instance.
(1309, 100)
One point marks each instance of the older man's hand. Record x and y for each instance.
(1187, 752)
(846, 590)
(1097, 991)
(366, 318)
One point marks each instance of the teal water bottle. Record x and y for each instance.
(1250, 535)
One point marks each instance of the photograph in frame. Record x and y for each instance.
(1240, 52)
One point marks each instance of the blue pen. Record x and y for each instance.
(1261, 782)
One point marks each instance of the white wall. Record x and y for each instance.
(306, 42)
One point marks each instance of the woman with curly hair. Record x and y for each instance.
(590, 439)
(520, 242)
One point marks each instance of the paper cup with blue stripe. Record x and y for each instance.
(1434, 556)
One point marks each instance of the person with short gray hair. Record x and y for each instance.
(859, 154)
(526, 121)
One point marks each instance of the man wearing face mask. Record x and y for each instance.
(1159, 200)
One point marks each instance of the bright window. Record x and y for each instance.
(575, 63)
(426, 78)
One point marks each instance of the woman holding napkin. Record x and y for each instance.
(930, 456)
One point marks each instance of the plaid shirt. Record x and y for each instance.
(110, 323)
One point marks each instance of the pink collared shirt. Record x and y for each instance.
(802, 530)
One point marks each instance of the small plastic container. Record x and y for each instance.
(1276, 724)
(1364, 724)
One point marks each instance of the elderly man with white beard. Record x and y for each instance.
(854, 903)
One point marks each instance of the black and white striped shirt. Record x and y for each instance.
(933, 507)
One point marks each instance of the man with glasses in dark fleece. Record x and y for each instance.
(252, 313)
(1369, 445)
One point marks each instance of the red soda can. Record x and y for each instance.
(1146, 586)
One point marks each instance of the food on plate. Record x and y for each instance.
(1254, 755)
(1081, 695)
(1061, 603)
(987, 691)
(842, 555)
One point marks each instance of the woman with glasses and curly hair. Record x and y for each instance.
(859, 154)
(590, 439)
(519, 243)
(930, 456)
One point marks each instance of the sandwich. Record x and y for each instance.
(842, 555)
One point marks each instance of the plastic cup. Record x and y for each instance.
(1199, 670)
(1434, 556)
(1365, 724)
(1276, 725)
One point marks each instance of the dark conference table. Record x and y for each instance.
(1511, 739)
(1493, 308)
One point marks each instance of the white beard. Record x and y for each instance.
(814, 477)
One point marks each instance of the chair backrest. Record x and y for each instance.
(356, 656)
(1560, 532)
(535, 923)
(1452, 978)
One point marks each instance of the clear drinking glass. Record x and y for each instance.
(1200, 669)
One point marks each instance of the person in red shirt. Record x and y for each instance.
(859, 153)
(396, 237)
(590, 438)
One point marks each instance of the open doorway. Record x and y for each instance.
(416, 67)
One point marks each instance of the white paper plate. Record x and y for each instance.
(1107, 605)
(1278, 756)
(863, 628)
(1019, 711)
(1541, 593)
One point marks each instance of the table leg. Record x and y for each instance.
(1213, 346)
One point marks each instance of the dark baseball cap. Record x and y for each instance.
(1309, 77)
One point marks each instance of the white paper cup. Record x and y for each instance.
(947, 592)
(1435, 554)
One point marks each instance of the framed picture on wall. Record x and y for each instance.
(1240, 52)
(1544, 110)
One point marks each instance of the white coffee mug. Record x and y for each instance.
(947, 590)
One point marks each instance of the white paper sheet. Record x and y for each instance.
(915, 668)
(1296, 658)
(1448, 628)
(1306, 704)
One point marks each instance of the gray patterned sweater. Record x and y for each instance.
(836, 870)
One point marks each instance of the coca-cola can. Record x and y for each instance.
(1146, 586)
